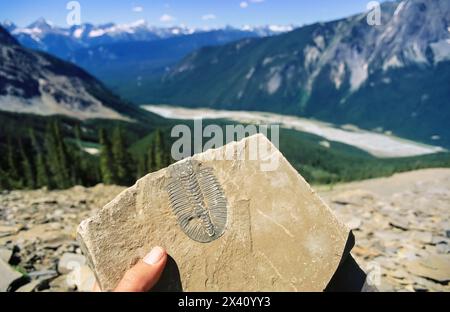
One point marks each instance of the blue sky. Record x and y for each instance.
(188, 12)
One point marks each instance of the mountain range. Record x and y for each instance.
(391, 77)
(125, 66)
(43, 35)
(126, 55)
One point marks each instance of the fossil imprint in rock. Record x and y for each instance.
(198, 201)
(228, 225)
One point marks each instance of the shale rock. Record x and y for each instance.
(38, 236)
(7, 276)
(402, 241)
(228, 225)
(5, 254)
(70, 262)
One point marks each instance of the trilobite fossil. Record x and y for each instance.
(198, 201)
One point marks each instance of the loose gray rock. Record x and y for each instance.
(70, 262)
(7, 276)
(82, 278)
(5, 254)
(402, 239)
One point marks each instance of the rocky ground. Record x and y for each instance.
(38, 237)
(401, 224)
(402, 228)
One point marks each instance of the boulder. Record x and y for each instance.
(70, 262)
(435, 268)
(8, 230)
(82, 278)
(5, 254)
(228, 225)
(354, 197)
(7, 276)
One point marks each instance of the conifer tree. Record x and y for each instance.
(4, 182)
(52, 157)
(42, 177)
(13, 176)
(151, 165)
(58, 158)
(122, 159)
(78, 135)
(142, 166)
(27, 169)
(159, 150)
(167, 158)
(12, 167)
(79, 161)
(106, 159)
(63, 155)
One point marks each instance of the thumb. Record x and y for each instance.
(145, 274)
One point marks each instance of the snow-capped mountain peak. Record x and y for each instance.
(42, 24)
(268, 30)
(45, 36)
(8, 25)
(137, 30)
(117, 29)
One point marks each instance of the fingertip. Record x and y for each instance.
(146, 273)
(96, 288)
(155, 256)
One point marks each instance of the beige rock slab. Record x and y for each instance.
(279, 236)
(7, 276)
(435, 267)
(6, 230)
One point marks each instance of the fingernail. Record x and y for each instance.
(154, 256)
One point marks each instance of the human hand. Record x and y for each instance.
(145, 274)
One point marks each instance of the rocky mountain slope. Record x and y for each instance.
(401, 226)
(391, 77)
(33, 82)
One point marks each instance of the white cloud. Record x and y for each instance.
(138, 9)
(244, 4)
(208, 17)
(166, 18)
